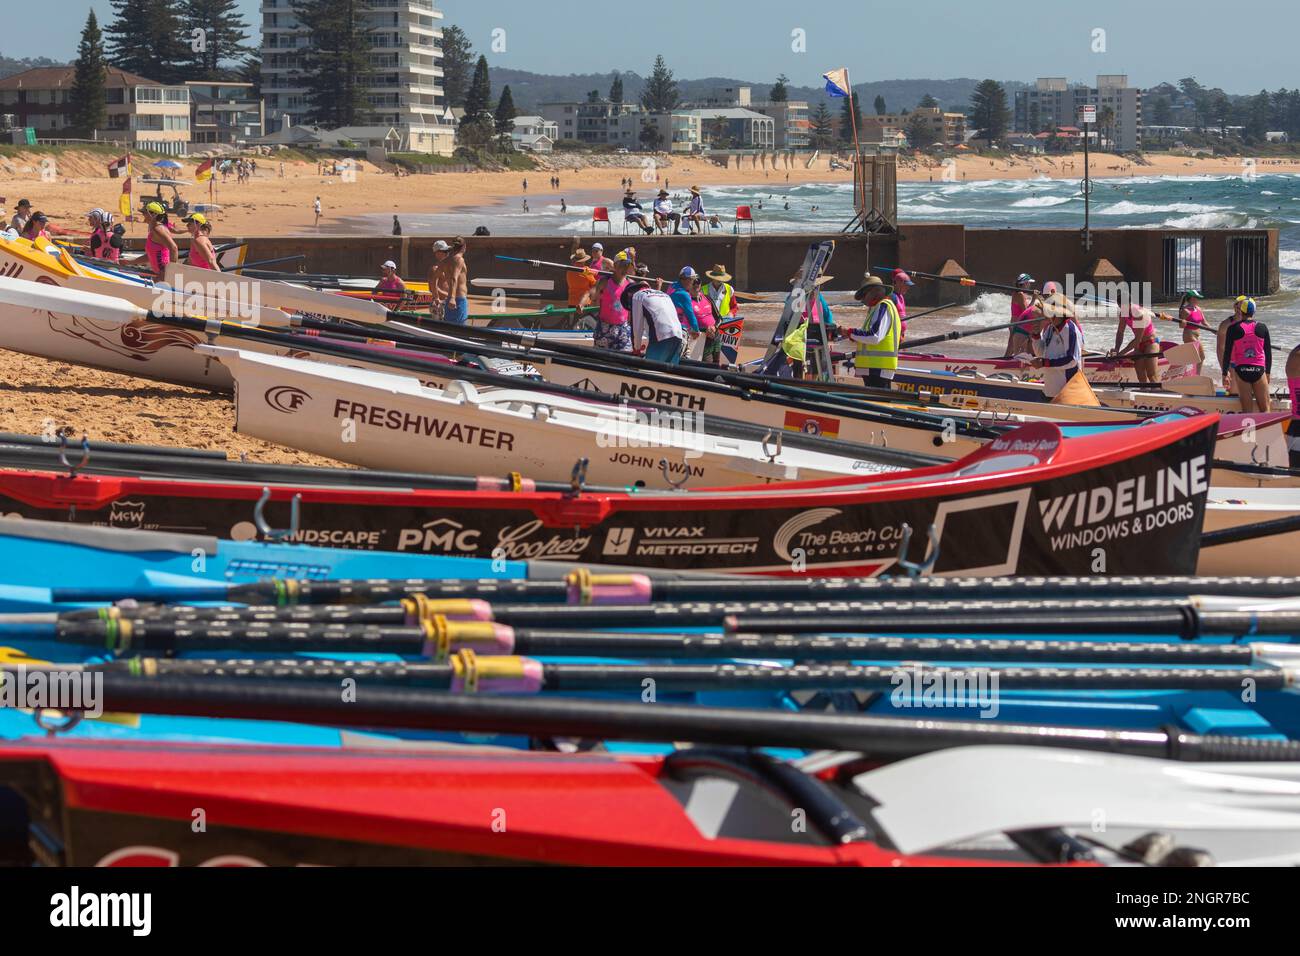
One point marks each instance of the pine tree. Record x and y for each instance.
(880, 107)
(88, 100)
(822, 126)
(920, 134)
(850, 118)
(660, 94)
(505, 113)
(218, 31)
(336, 66)
(144, 38)
(457, 65)
(928, 102)
(989, 115)
(780, 91)
(616, 90)
(478, 100)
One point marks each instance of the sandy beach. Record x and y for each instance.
(270, 204)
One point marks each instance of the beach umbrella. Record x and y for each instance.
(168, 164)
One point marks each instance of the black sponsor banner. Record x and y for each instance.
(1140, 515)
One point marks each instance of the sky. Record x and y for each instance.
(1239, 45)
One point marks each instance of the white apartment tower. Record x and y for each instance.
(406, 92)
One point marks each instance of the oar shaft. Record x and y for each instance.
(390, 707)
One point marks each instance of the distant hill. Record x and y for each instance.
(531, 89)
(10, 66)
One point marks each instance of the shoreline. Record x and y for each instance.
(271, 204)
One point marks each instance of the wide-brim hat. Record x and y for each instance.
(663, 192)
(580, 256)
(696, 190)
(869, 283)
(718, 274)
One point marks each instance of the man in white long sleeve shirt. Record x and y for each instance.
(654, 314)
(663, 212)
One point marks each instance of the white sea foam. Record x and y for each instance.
(1127, 208)
(991, 308)
(1212, 220)
(1037, 202)
(1289, 260)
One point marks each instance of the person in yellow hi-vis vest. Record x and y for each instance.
(879, 337)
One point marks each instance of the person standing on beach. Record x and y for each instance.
(902, 282)
(564, 206)
(457, 310)
(612, 330)
(1293, 389)
(316, 209)
(159, 246)
(878, 339)
(439, 279)
(582, 284)
(397, 226)
(654, 317)
(1249, 351)
(1024, 310)
(1146, 341)
(525, 185)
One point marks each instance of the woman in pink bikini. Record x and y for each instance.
(1145, 345)
(202, 255)
(159, 246)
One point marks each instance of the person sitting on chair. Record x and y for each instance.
(663, 212)
(633, 213)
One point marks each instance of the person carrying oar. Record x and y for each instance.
(582, 284)
(1059, 350)
(654, 317)
(1145, 346)
(612, 331)
(1025, 302)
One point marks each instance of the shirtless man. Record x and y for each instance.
(439, 279)
(457, 308)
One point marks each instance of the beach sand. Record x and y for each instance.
(271, 205)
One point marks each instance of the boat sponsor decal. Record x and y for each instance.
(1127, 508)
(686, 541)
(587, 385)
(653, 464)
(527, 541)
(661, 396)
(11, 270)
(394, 419)
(126, 514)
(286, 398)
(820, 425)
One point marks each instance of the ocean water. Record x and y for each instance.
(1263, 200)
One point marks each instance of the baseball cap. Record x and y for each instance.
(688, 273)
(598, 245)
(900, 274)
(441, 246)
(389, 264)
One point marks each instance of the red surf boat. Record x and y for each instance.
(133, 805)
(1029, 502)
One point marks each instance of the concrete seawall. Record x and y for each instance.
(1231, 262)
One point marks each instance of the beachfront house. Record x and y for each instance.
(534, 134)
(141, 113)
(225, 112)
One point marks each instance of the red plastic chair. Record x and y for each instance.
(601, 214)
(743, 214)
